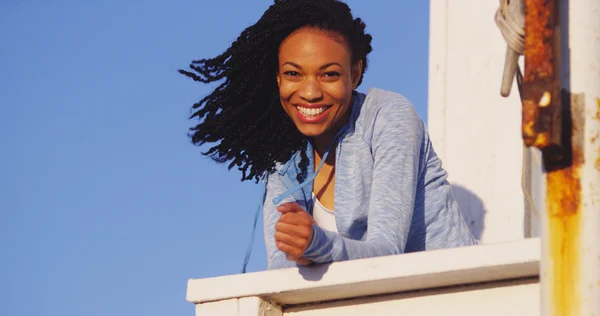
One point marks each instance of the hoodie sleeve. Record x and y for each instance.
(397, 140)
(276, 259)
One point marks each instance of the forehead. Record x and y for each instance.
(310, 45)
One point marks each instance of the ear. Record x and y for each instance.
(356, 73)
(278, 79)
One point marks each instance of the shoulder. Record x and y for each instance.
(380, 97)
(287, 169)
(389, 111)
(280, 168)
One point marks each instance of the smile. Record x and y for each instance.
(312, 115)
(311, 111)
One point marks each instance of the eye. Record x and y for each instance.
(291, 73)
(332, 74)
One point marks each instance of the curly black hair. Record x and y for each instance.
(243, 116)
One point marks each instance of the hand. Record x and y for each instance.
(294, 232)
(301, 261)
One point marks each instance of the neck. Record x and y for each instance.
(320, 145)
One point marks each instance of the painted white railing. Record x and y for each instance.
(495, 279)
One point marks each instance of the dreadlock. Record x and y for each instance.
(243, 116)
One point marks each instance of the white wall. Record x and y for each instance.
(473, 300)
(475, 131)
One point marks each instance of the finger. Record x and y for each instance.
(297, 218)
(303, 231)
(299, 242)
(289, 250)
(290, 207)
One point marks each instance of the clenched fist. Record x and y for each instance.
(294, 232)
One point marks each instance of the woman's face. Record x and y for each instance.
(316, 79)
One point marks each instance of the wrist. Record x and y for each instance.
(313, 242)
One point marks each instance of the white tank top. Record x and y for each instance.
(324, 217)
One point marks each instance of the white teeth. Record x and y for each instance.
(311, 111)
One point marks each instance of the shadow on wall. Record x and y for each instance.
(472, 208)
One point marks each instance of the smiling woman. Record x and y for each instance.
(348, 175)
(316, 78)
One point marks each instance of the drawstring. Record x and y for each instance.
(251, 244)
(299, 186)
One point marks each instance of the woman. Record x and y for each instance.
(348, 175)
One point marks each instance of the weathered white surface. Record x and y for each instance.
(375, 276)
(584, 38)
(438, 36)
(476, 132)
(223, 308)
(255, 306)
(514, 298)
(536, 185)
(580, 75)
(584, 34)
(247, 306)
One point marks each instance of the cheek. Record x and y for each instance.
(285, 95)
(285, 90)
(342, 92)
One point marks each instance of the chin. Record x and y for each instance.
(310, 131)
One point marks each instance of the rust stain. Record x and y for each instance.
(530, 113)
(542, 140)
(595, 138)
(540, 19)
(597, 162)
(564, 207)
(541, 90)
(564, 210)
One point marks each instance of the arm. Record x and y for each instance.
(398, 136)
(276, 259)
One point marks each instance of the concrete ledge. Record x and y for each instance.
(501, 298)
(376, 276)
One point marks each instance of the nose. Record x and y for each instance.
(311, 90)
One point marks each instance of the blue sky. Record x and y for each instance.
(107, 209)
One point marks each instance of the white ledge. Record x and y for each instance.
(375, 276)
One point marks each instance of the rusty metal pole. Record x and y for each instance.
(542, 124)
(583, 60)
(561, 116)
